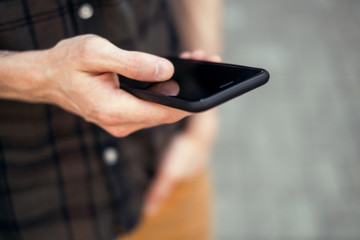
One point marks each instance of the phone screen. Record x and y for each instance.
(198, 80)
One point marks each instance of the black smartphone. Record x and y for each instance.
(203, 85)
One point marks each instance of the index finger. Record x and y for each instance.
(130, 109)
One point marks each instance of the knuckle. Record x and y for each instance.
(91, 39)
(135, 58)
(132, 64)
(135, 65)
(120, 132)
(88, 45)
(107, 119)
(61, 43)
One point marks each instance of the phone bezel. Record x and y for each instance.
(205, 103)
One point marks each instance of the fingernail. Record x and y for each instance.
(160, 72)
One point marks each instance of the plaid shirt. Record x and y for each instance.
(60, 176)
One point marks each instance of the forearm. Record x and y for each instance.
(199, 24)
(79, 74)
(21, 75)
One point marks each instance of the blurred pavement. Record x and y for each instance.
(287, 162)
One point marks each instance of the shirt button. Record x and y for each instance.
(86, 11)
(111, 156)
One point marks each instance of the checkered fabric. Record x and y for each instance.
(54, 182)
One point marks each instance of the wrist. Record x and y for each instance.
(22, 76)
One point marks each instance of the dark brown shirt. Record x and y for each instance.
(60, 176)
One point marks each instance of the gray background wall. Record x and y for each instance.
(287, 161)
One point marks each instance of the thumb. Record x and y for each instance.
(143, 66)
(103, 56)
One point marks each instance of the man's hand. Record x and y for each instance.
(187, 154)
(80, 75)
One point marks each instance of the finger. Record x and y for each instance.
(111, 78)
(102, 56)
(140, 111)
(158, 193)
(213, 58)
(185, 55)
(168, 88)
(198, 55)
(145, 67)
(123, 108)
(182, 157)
